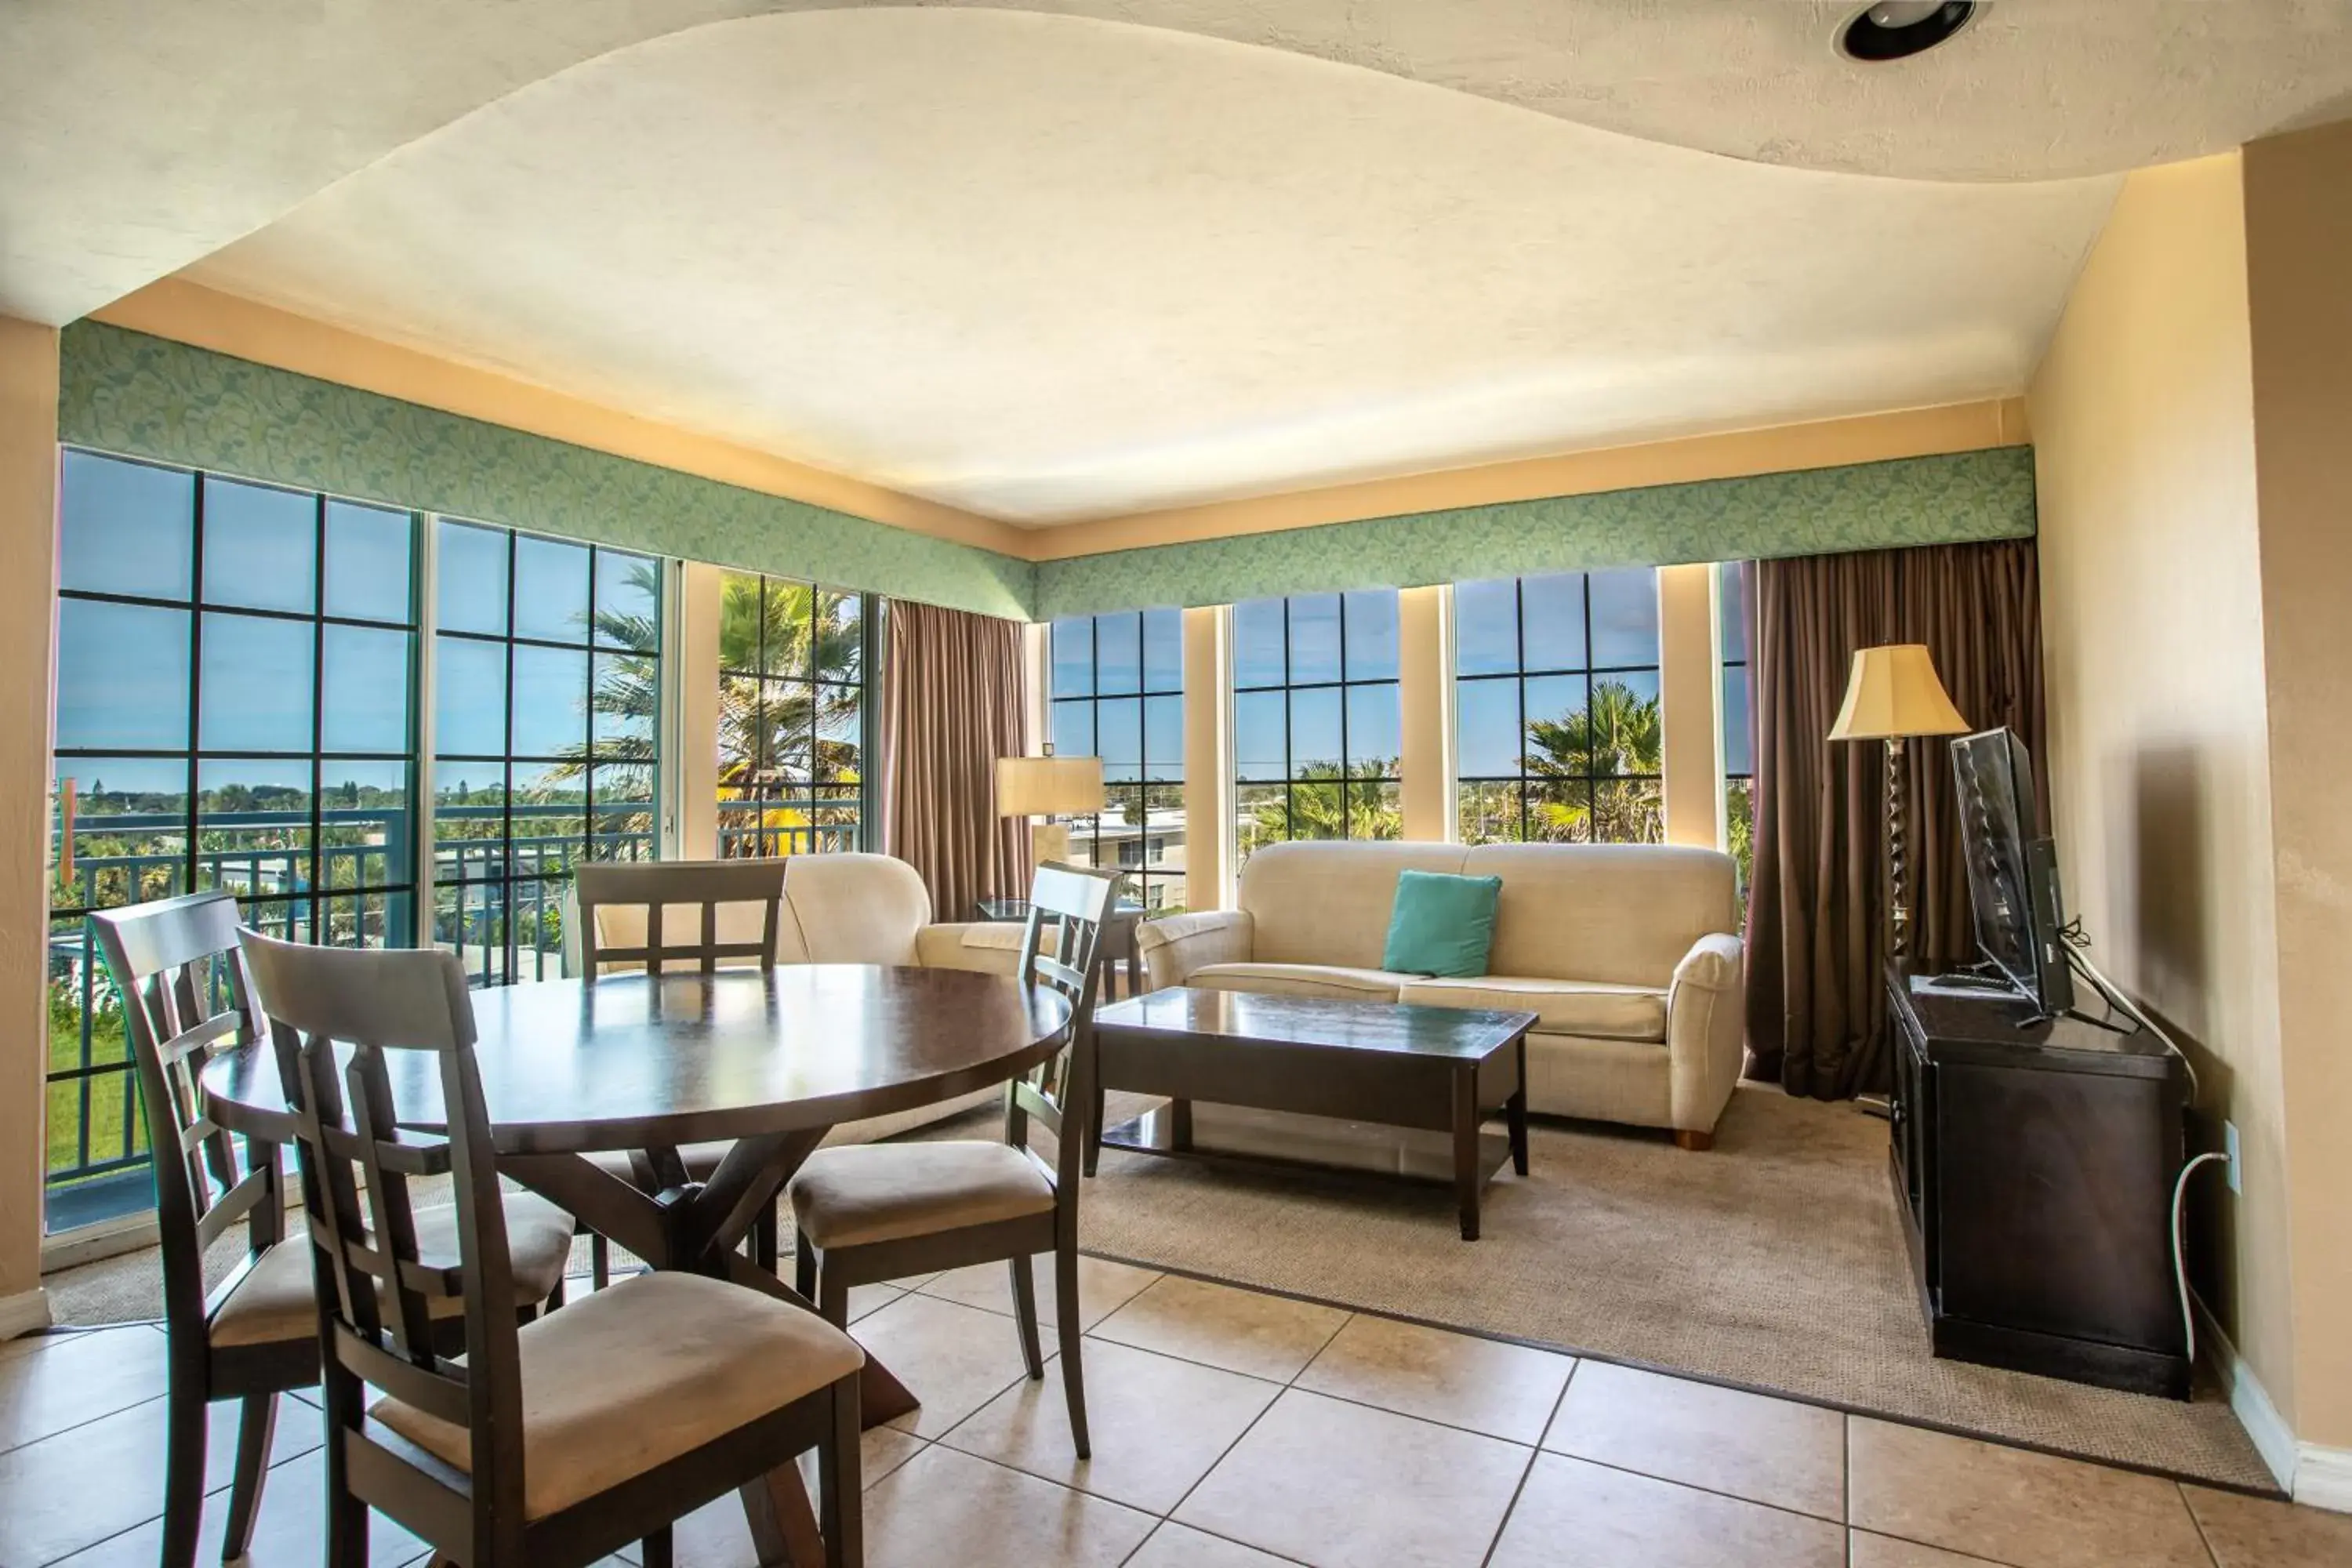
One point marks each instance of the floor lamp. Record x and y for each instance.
(1048, 786)
(1892, 694)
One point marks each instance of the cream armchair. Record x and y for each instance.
(1626, 954)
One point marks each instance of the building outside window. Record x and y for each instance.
(1557, 731)
(547, 695)
(1118, 693)
(235, 671)
(1734, 592)
(793, 717)
(1317, 718)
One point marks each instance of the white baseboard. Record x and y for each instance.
(2314, 1476)
(2323, 1478)
(24, 1312)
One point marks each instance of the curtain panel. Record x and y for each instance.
(1817, 904)
(953, 700)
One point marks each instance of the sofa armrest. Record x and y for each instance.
(1707, 1031)
(991, 947)
(1173, 948)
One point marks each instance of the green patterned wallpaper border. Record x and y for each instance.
(1946, 499)
(144, 397)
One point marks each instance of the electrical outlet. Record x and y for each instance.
(2229, 1147)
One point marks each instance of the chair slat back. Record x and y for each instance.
(337, 1016)
(1059, 946)
(655, 886)
(185, 997)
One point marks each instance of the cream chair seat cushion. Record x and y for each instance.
(862, 1194)
(629, 1378)
(1327, 981)
(275, 1301)
(1590, 1008)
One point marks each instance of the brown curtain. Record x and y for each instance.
(953, 702)
(1817, 906)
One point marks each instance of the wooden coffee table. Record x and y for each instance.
(1277, 1059)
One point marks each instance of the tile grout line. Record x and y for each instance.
(1249, 1428)
(133, 1529)
(31, 1443)
(2198, 1524)
(1495, 1542)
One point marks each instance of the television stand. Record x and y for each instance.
(2033, 1161)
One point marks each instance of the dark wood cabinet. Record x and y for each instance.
(2034, 1164)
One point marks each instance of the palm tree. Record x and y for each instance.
(628, 687)
(1314, 807)
(1617, 741)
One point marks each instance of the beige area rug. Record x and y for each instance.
(1774, 1262)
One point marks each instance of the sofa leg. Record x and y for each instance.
(1698, 1142)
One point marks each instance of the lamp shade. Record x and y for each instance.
(1894, 692)
(1048, 786)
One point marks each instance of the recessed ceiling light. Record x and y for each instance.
(1898, 29)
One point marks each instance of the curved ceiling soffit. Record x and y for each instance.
(148, 133)
(1332, 273)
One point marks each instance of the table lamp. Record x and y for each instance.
(1048, 786)
(1892, 694)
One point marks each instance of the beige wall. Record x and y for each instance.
(700, 588)
(2143, 453)
(29, 466)
(1424, 697)
(1688, 687)
(2299, 210)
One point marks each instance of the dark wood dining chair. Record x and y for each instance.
(254, 1336)
(653, 888)
(549, 1443)
(863, 1213)
(657, 887)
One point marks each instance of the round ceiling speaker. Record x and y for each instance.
(1898, 29)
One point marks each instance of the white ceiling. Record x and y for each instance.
(1046, 268)
(1047, 263)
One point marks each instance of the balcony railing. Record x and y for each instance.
(498, 905)
(748, 830)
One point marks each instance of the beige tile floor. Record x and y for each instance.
(1238, 1430)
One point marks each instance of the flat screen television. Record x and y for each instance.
(2012, 873)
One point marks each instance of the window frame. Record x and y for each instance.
(1349, 782)
(728, 842)
(509, 948)
(1143, 878)
(1735, 583)
(1523, 780)
(306, 915)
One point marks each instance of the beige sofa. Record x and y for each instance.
(1625, 953)
(844, 909)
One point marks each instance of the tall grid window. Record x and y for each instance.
(1118, 693)
(546, 697)
(792, 714)
(236, 670)
(1735, 592)
(1317, 718)
(1556, 721)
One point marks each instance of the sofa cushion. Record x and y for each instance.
(1625, 913)
(1329, 902)
(1328, 980)
(1562, 1006)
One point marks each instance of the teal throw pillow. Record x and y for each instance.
(1441, 924)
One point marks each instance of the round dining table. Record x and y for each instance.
(768, 1058)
